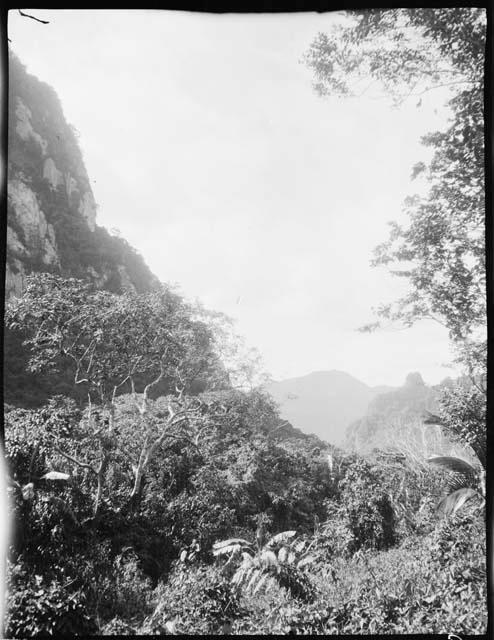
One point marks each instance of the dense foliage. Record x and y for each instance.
(107, 260)
(405, 53)
(157, 492)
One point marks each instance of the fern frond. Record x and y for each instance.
(255, 577)
(262, 581)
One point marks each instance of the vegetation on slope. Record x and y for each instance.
(132, 510)
(123, 500)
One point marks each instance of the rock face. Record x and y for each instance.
(51, 213)
(24, 128)
(87, 209)
(31, 241)
(38, 237)
(52, 174)
(395, 419)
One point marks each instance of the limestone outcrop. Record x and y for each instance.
(51, 212)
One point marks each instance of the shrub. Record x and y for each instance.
(121, 591)
(367, 508)
(195, 600)
(35, 606)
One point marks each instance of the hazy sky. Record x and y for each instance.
(208, 149)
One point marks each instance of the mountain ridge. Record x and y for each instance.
(323, 402)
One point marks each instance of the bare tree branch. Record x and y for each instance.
(100, 474)
(83, 465)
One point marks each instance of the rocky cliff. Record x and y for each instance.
(395, 420)
(51, 222)
(51, 210)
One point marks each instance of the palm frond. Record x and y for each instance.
(454, 501)
(460, 481)
(457, 465)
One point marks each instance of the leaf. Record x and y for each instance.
(279, 538)
(55, 475)
(299, 547)
(247, 559)
(240, 575)
(269, 558)
(253, 578)
(234, 548)
(455, 501)
(261, 582)
(225, 543)
(305, 561)
(28, 491)
(457, 465)
(282, 554)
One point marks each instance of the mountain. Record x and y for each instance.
(394, 420)
(51, 210)
(323, 402)
(52, 222)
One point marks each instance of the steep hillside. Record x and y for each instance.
(51, 221)
(323, 403)
(395, 419)
(51, 207)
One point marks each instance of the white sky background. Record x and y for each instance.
(208, 149)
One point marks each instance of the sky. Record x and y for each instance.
(209, 151)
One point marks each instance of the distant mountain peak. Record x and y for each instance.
(323, 402)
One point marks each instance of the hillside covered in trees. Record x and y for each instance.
(155, 490)
(51, 220)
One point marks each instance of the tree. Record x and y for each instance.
(115, 342)
(405, 53)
